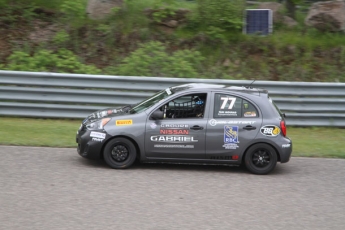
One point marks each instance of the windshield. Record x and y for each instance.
(151, 101)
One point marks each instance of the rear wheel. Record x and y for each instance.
(119, 153)
(260, 159)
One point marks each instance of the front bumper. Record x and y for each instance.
(88, 146)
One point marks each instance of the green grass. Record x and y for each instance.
(38, 132)
(307, 142)
(318, 142)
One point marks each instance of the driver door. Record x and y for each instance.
(182, 133)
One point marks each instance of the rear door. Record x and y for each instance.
(234, 122)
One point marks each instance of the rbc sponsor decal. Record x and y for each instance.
(230, 134)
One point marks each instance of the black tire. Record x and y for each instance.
(119, 153)
(260, 159)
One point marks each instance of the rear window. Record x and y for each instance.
(276, 109)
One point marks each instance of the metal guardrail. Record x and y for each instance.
(53, 95)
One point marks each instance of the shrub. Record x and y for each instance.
(223, 14)
(152, 59)
(45, 60)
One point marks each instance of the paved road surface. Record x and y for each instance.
(49, 188)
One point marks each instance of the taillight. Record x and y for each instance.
(283, 127)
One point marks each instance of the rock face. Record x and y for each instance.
(289, 21)
(99, 9)
(277, 11)
(327, 16)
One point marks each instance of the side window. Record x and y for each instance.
(187, 106)
(249, 109)
(227, 106)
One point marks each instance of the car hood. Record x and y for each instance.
(108, 112)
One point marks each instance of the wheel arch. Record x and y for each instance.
(261, 142)
(126, 137)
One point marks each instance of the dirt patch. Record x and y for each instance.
(98, 9)
(42, 31)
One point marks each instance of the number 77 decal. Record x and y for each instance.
(225, 101)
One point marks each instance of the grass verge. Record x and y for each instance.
(307, 142)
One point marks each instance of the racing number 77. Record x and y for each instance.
(225, 101)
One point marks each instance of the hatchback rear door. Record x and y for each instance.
(233, 124)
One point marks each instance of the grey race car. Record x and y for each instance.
(192, 123)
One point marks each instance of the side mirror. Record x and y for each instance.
(157, 115)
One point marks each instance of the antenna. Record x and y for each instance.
(251, 83)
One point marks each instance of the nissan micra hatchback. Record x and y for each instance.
(192, 123)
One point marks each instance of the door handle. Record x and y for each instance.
(249, 127)
(197, 127)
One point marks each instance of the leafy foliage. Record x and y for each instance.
(166, 8)
(152, 59)
(14, 13)
(45, 60)
(222, 14)
(74, 11)
(61, 37)
(208, 44)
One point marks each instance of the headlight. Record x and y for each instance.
(98, 124)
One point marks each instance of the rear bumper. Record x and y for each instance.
(286, 151)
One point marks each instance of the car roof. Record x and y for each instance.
(210, 87)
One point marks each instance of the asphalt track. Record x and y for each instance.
(50, 188)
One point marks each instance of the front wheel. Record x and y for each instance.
(119, 153)
(260, 159)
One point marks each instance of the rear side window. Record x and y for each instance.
(227, 106)
(276, 109)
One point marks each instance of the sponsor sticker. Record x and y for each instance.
(168, 91)
(286, 145)
(153, 125)
(173, 139)
(270, 130)
(174, 131)
(221, 157)
(175, 146)
(214, 122)
(97, 139)
(230, 137)
(97, 135)
(250, 114)
(174, 126)
(123, 122)
(79, 128)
